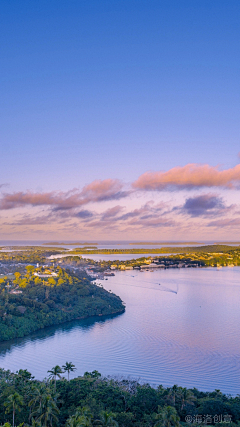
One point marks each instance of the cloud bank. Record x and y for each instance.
(191, 176)
(128, 210)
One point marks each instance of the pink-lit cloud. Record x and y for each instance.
(189, 176)
(102, 190)
(186, 177)
(128, 210)
(97, 191)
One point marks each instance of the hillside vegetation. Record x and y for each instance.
(29, 302)
(92, 400)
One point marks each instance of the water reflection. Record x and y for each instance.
(84, 325)
(188, 337)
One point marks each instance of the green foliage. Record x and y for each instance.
(69, 367)
(45, 411)
(34, 302)
(82, 418)
(13, 404)
(93, 400)
(107, 419)
(167, 417)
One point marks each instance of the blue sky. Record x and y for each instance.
(97, 90)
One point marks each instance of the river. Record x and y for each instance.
(181, 326)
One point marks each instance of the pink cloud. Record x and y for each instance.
(107, 189)
(11, 201)
(190, 176)
(97, 191)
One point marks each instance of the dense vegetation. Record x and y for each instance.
(29, 254)
(164, 250)
(210, 259)
(92, 400)
(29, 302)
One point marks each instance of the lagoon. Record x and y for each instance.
(181, 326)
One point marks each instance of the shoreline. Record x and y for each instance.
(65, 322)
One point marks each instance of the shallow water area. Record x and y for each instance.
(181, 326)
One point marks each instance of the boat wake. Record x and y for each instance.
(161, 289)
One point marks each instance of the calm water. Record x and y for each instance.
(111, 257)
(184, 331)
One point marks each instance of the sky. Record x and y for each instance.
(120, 120)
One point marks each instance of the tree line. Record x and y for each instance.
(92, 400)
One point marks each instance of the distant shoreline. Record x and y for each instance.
(163, 250)
(69, 244)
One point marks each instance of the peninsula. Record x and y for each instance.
(40, 297)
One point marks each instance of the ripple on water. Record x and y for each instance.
(190, 338)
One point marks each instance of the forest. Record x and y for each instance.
(32, 301)
(94, 400)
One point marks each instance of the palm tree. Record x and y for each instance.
(172, 394)
(72, 422)
(84, 411)
(84, 422)
(69, 367)
(167, 417)
(55, 372)
(38, 397)
(47, 411)
(81, 421)
(82, 418)
(107, 419)
(35, 423)
(186, 397)
(13, 403)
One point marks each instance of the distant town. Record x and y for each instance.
(14, 259)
